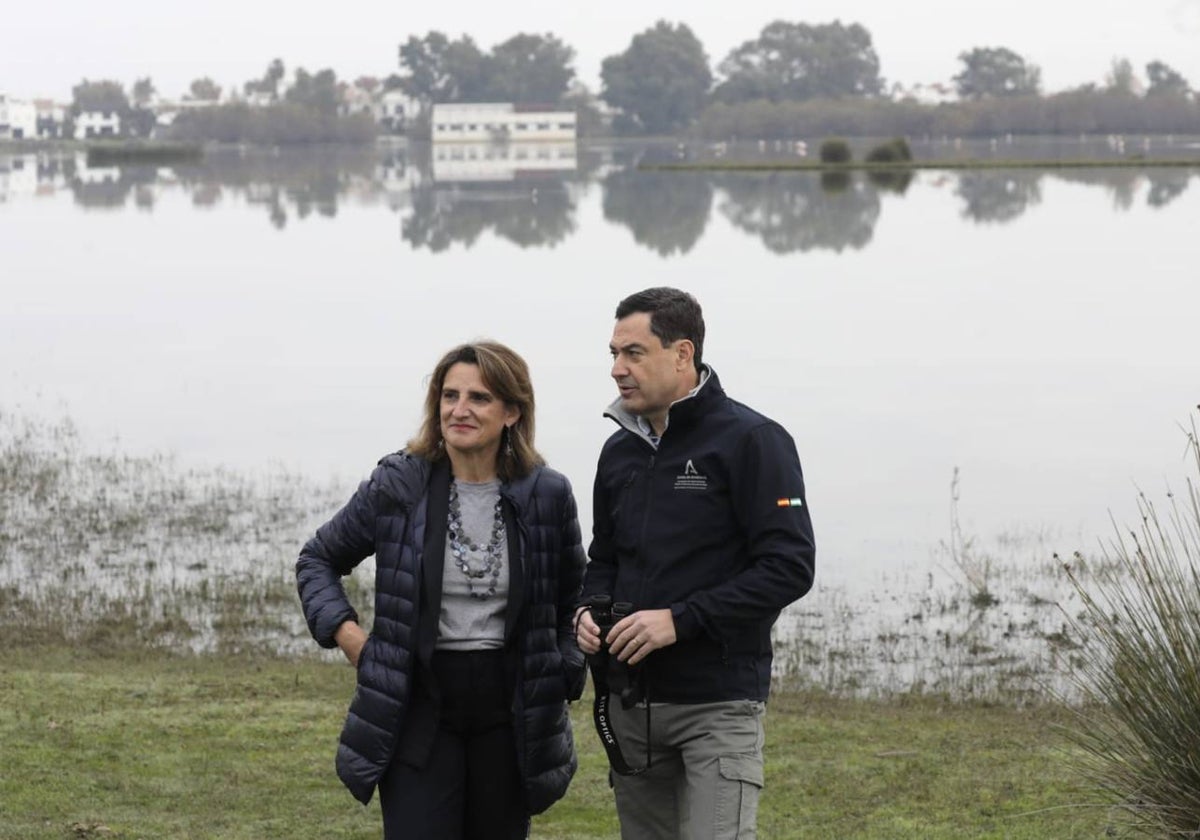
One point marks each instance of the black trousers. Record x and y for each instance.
(469, 788)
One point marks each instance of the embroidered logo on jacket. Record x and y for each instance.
(795, 502)
(691, 479)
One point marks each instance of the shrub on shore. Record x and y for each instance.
(836, 150)
(895, 150)
(1139, 733)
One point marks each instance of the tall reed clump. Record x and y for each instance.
(1139, 728)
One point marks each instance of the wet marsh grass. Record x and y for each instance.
(114, 550)
(139, 551)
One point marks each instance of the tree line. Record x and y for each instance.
(794, 79)
(265, 111)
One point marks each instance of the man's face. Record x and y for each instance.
(649, 376)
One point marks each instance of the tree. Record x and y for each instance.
(661, 80)
(530, 68)
(317, 92)
(1121, 78)
(143, 91)
(105, 95)
(437, 69)
(1165, 81)
(205, 89)
(798, 61)
(268, 85)
(996, 71)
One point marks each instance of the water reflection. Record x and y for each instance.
(1166, 185)
(998, 197)
(529, 194)
(538, 214)
(802, 212)
(666, 211)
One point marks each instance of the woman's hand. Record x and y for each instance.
(587, 634)
(351, 638)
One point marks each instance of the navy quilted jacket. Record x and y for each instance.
(387, 517)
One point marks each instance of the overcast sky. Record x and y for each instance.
(48, 46)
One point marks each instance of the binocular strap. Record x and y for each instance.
(604, 728)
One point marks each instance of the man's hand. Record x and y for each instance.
(636, 636)
(351, 638)
(587, 634)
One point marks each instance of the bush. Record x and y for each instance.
(836, 151)
(895, 150)
(1139, 670)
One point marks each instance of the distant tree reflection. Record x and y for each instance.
(534, 201)
(998, 196)
(530, 214)
(891, 180)
(108, 187)
(666, 211)
(1166, 185)
(801, 212)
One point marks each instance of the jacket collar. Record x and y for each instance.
(683, 410)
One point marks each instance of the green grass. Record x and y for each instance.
(141, 744)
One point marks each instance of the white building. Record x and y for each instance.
(394, 109)
(51, 119)
(18, 119)
(476, 122)
(97, 124)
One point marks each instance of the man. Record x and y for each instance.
(701, 524)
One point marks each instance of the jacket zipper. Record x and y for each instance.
(649, 484)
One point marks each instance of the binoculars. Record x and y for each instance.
(605, 613)
(620, 677)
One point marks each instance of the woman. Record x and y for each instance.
(460, 715)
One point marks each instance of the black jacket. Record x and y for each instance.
(387, 517)
(713, 525)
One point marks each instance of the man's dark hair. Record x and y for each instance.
(674, 314)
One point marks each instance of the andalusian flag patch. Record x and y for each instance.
(789, 503)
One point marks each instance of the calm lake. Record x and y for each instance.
(1022, 341)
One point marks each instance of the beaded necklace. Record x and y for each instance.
(463, 549)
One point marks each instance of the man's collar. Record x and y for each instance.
(640, 425)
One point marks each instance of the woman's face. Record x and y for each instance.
(472, 417)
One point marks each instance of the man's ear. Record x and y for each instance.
(684, 352)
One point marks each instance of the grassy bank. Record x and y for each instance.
(139, 744)
(907, 166)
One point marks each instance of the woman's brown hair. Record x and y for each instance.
(507, 376)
